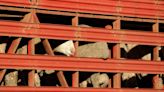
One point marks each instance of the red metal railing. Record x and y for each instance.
(56, 89)
(76, 33)
(81, 64)
(132, 8)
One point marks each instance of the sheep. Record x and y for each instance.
(37, 80)
(132, 77)
(97, 80)
(11, 79)
(67, 48)
(3, 47)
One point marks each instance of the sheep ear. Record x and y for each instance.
(89, 80)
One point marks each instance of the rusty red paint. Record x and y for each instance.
(87, 34)
(117, 54)
(75, 75)
(156, 79)
(2, 74)
(81, 64)
(58, 89)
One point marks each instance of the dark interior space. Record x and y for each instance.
(161, 27)
(93, 22)
(11, 15)
(131, 25)
(55, 19)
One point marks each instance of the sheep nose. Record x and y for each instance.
(72, 54)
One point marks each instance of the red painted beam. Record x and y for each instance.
(2, 74)
(135, 8)
(79, 64)
(58, 89)
(84, 34)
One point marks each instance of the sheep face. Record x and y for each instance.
(67, 48)
(97, 80)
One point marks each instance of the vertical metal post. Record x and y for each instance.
(31, 74)
(14, 45)
(109, 27)
(47, 47)
(156, 80)
(116, 55)
(75, 75)
(62, 79)
(31, 78)
(31, 48)
(2, 74)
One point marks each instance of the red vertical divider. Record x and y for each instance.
(31, 74)
(109, 27)
(31, 45)
(75, 75)
(116, 54)
(156, 79)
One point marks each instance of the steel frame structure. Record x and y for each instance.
(80, 64)
(81, 34)
(33, 28)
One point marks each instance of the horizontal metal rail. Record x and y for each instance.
(58, 89)
(76, 33)
(79, 64)
(135, 8)
(85, 15)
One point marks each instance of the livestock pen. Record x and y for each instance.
(81, 45)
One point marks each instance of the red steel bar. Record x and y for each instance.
(156, 79)
(47, 47)
(82, 64)
(56, 12)
(31, 78)
(58, 89)
(29, 18)
(75, 75)
(14, 45)
(110, 56)
(62, 79)
(116, 55)
(31, 74)
(85, 34)
(75, 79)
(2, 74)
(147, 9)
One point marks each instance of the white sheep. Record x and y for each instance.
(97, 80)
(67, 48)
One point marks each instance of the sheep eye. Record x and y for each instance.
(101, 84)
